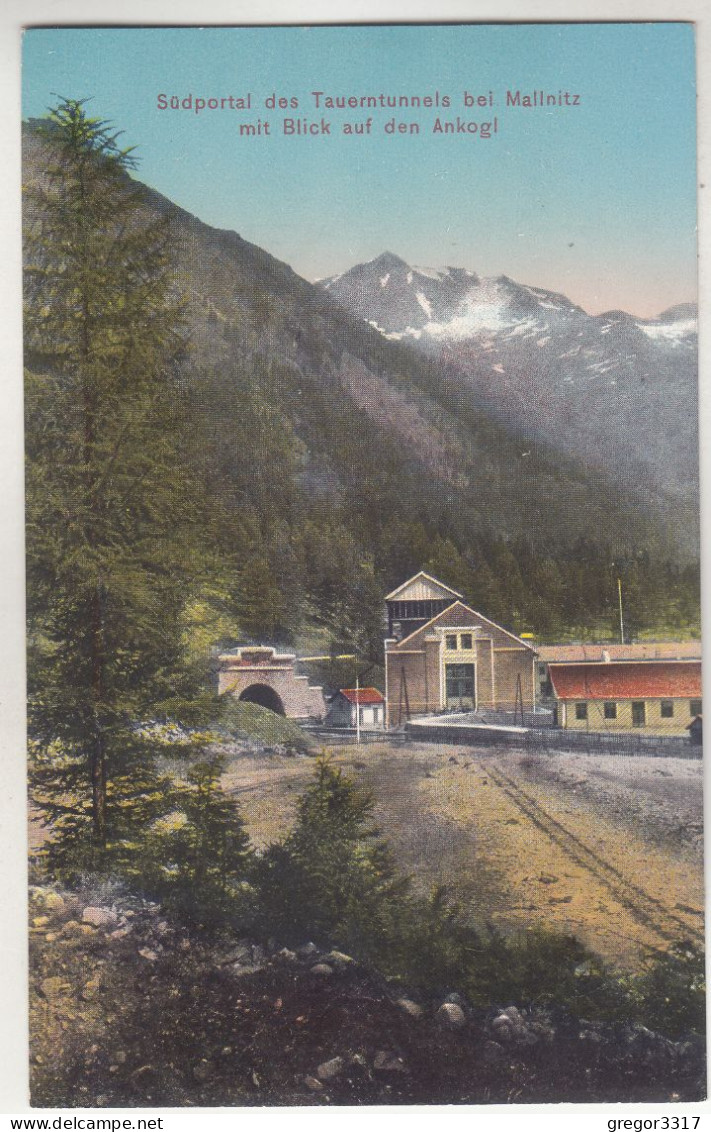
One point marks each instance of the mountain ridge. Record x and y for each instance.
(613, 389)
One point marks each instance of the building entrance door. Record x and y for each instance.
(638, 714)
(460, 687)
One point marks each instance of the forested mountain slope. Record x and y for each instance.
(334, 463)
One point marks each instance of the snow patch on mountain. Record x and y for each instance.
(429, 272)
(424, 303)
(671, 332)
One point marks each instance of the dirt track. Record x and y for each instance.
(606, 847)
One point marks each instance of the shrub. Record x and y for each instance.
(196, 857)
(669, 994)
(332, 872)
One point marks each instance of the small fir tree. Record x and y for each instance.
(333, 875)
(197, 856)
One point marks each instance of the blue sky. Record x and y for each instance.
(596, 200)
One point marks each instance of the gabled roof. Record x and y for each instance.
(363, 695)
(627, 680)
(422, 587)
(459, 609)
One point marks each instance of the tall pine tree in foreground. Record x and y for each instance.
(109, 510)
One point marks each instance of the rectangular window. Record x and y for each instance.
(610, 711)
(465, 641)
(666, 708)
(639, 714)
(581, 711)
(694, 707)
(460, 687)
(451, 643)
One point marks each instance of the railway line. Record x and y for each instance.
(652, 913)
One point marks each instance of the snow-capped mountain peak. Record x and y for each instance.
(614, 388)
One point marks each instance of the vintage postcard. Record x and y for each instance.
(363, 615)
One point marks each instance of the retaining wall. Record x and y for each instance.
(552, 738)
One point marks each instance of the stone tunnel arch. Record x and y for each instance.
(265, 696)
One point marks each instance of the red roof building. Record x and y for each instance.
(363, 695)
(660, 697)
(351, 708)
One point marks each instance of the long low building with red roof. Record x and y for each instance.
(660, 698)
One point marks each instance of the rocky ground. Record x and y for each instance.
(662, 798)
(129, 1009)
(606, 847)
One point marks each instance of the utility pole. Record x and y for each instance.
(344, 656)
(619, 596)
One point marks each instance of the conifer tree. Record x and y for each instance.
(333, 873)
(109, 509)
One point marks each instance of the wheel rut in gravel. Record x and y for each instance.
(648, 910)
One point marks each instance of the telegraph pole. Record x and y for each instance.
(344, 656)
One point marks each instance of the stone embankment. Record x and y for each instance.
(129, 1008)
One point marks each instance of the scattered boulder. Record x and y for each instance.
(457, 999)
(502, 1029)
(368, 1012)
(407, 1006)
(509, 1026)
(329, 1069)
(452, 1015)
(286, 955)
(240, 953)
(54, 987)
(323, 970)
(386, 1061)
(91, 989)
(100, 917)
(313, 1083)
(338, 960)
(72, 927)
